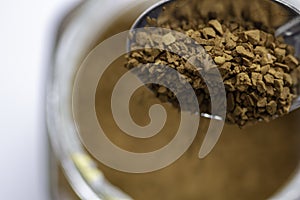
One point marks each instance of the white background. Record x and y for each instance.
(26, 32)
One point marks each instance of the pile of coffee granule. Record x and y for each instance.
(259, 71)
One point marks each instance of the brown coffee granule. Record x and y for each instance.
(259, 71)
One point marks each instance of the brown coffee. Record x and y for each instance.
(259, 70)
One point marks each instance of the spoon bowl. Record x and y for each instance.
(290, 30)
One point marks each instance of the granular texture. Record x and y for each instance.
(259, 71)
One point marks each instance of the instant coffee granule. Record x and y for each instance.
(259, 71)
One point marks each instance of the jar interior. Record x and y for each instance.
(250, 163)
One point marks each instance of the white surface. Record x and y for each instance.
(25, 38)
(26, 31)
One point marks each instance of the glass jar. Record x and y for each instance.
(82, 29)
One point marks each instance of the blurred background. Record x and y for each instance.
(26, 35)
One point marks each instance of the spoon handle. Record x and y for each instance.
(291, 33)
(296, 104)
(290, 28)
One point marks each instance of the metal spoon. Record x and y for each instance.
(290, 31)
